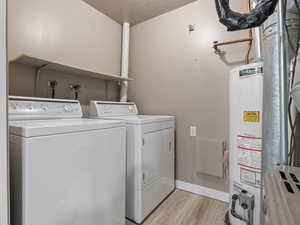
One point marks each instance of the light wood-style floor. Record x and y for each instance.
(183, 208)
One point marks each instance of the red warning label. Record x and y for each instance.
(249, 152)
(249, 159)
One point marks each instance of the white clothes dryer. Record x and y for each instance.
(150, 156)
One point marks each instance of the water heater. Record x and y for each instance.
(245, 110)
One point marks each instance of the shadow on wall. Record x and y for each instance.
(224, 59)
(25, 82)
(210, 161)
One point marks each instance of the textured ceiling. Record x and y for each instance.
(135, 11)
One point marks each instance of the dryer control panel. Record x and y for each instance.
(22, 108)
(100, 109)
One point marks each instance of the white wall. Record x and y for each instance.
(3, 119)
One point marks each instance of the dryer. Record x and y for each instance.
(150, 156)
(65, 169)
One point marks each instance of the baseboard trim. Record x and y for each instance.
(204, 191)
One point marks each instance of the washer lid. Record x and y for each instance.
(35, 128)
(142, 119)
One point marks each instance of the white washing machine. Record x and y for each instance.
(150, 156)
(65, 169)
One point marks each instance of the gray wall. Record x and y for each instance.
(22, 83)
(68, 32)
(176, 72)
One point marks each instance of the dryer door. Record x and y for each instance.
(157, 156)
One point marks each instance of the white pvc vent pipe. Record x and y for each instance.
(125, 62)
(257, 36)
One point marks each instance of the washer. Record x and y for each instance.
(150, 156)
(65, 169)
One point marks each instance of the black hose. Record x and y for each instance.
(237, 21)
(53, 93)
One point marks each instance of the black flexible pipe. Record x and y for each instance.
(237, 21)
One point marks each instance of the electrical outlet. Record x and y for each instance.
(193, 131)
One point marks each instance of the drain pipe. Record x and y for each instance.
(125, 62)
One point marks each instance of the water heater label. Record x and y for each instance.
(251, 71)
(249, 152)
(252, 116)
(250, 177)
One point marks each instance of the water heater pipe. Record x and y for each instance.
(257, 36)
(125, 62)
(283, 73)
(281, 36)
(250, 31)
(238, 21)
(249, 40)
(257, 40)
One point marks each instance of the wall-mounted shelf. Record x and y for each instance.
(45, 64)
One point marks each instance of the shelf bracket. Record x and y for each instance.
(37, 77)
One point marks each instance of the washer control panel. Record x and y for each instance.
(98, 108)
(39, 108)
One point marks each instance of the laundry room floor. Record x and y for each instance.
(184, 208)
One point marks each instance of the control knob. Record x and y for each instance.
(44, 108)
(13, 106)
(68, 108)
(29, 107)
